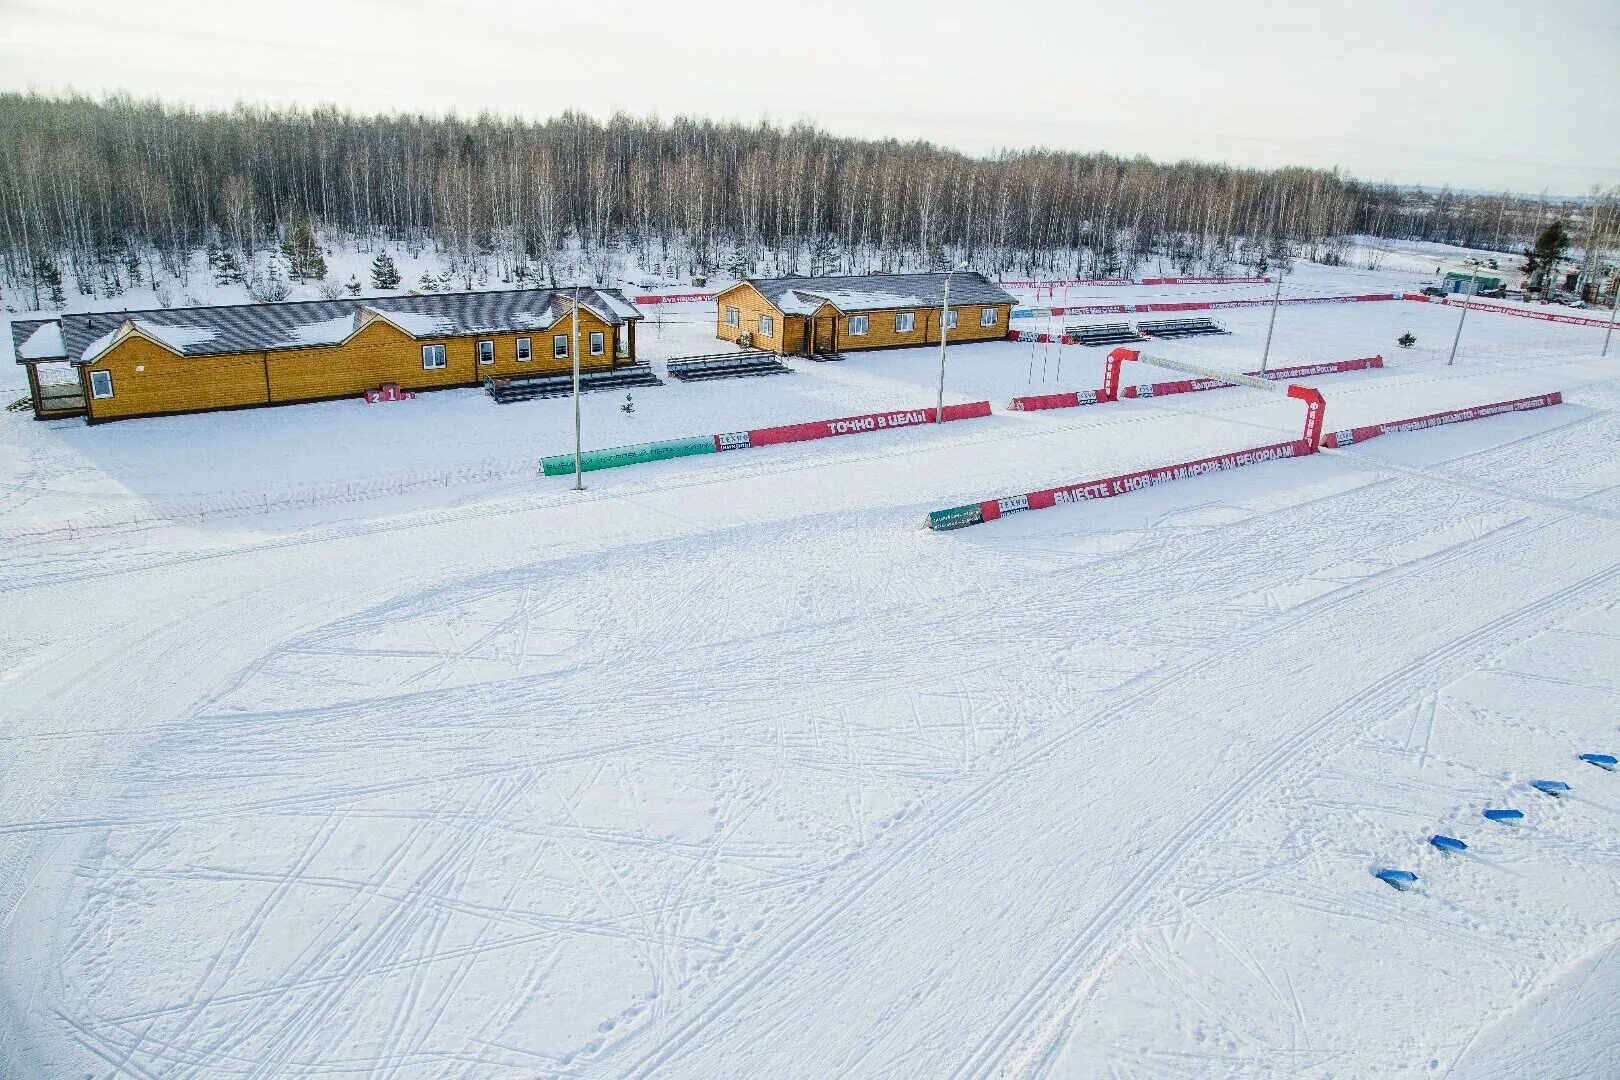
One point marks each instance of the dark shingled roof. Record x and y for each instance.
(879, 292)
(239, 328)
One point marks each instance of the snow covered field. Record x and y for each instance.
(334, 742)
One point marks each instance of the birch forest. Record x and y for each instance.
(99, 194)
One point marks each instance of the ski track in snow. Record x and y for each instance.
(723, 768)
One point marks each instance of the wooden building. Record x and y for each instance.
(804, 316)
(119, 365)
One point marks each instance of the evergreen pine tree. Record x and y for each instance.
(305, 261)
(427, 283)
(353, 286)
(1542, 260)
(384, 274)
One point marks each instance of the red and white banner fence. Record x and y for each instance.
(958, 517)
(1281, 374)
(846, 425)
(1451, 416)
(1040, 402)
(673, 298)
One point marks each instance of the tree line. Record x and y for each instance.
(102, 193)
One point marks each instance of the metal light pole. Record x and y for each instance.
(1467, 298)
(944, 316)
(1613, 307)
(1276, 298)
(579, 472)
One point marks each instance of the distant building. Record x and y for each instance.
(1457, 282)
(119, 365)
(809, 315)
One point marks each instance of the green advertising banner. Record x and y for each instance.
(957, 517)
(615, 456)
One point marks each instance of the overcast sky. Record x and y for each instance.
(1485, 94)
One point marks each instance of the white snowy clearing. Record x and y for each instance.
(336, 742)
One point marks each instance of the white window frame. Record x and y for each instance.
(96, 391)
(950, 318)
(858, 325)
(559, 346)
(525, 350)
(598, 343)
(989, 316)
(767, 326)
(432, 353)
(482, 351)
(905, 322)
(733, 317)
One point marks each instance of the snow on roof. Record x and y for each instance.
(798, 303)
(92, 352)
(621, 307)
(44, 343)
(415, 323)
(326, 332)
(179, 337)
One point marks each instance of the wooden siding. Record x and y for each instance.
(882, 335)
(792, 331)
(149, 379)
(750, 304)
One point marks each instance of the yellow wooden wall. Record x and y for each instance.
(792, 330)
(750, 304)
(881, 333)
(148, 379)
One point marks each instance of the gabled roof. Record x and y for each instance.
(877, 292)
(301, 324)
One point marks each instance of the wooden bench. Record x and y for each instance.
(1179, 328)
(734, 365)
(1102, 334)
(528, 387)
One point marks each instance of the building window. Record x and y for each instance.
(486, 352)
(767, 326)
(523, 348)
(857, 325)
(598, 343)
(950, 318)
(433, 358)
(101, 384)
(559, 346)
(987, 316)
(733, 317)
(905, 322)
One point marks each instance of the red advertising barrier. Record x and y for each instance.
(1053, 401)
(1543, 316)
(1067, 283)
(1110, 486)
(1281, 374)
(1439, 419)
(673, 298)
(1206, 281)
(846, 425)
(1212, 305)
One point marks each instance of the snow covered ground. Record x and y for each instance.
(336, 742)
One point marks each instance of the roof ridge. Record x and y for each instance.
(271, 304)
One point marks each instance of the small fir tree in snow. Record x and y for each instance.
(353, 286)
(1406, 340)
(824, 256)
(226, 267)
(384, 274)
(305, 262)
(1542, 260)
(427, 283)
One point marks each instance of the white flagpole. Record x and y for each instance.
(579, 472)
